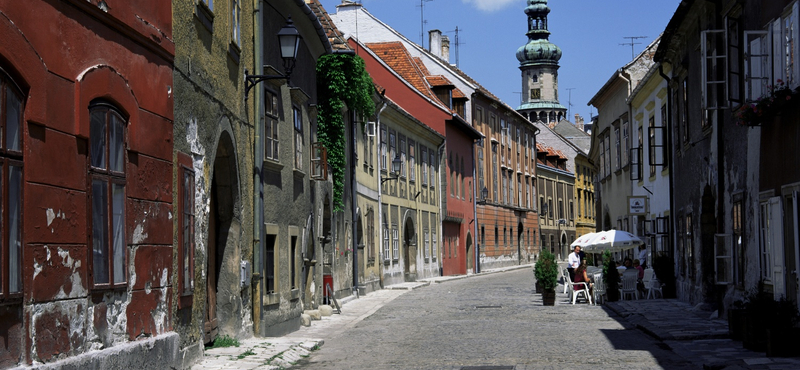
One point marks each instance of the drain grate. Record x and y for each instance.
(487, 368)
(487, 307)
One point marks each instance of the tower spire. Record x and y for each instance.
(538, 60)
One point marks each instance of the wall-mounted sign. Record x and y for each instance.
(637, 205)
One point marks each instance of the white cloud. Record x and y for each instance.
(490, 5)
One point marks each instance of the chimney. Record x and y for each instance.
(435, 42)
(347, 5)
(445, 49)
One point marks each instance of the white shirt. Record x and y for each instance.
(574, 260)
(643, 256)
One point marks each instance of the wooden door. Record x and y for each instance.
(211, 325)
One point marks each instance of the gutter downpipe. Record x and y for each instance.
(669, 153)
(475, 250)
(380, 185)
(258, 217)
(442, 193)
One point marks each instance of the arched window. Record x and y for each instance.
(107, 194)
(11, 112)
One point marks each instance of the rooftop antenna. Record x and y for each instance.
(457, 43)
(632, 38)
(569, 102)
(422, 22)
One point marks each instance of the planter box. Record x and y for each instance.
(736, 323)
(549, 298)
(755, 334)
(782, 342)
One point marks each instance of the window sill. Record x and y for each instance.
(205, 16)
(271, 299)
(14, 300)
(234, 52)
(298, 173)
(185, 301)
(272, 165)
(295, 294)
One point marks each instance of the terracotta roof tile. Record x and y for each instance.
(437, 81)
(395, 55)
(335, 36)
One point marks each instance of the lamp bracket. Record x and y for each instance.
(251, 80)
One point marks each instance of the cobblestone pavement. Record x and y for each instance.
(494, 321)
(490, 321)
(692, 333)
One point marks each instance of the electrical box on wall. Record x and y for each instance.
(245, 274)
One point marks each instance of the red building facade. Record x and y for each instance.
(87, 254)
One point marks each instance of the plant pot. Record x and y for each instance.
(755, 334)
(539, 288)
(736, 326)
(612, 294)
(549, 297)
(781, 342)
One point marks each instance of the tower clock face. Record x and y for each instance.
(536, 93)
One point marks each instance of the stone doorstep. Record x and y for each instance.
(269, 353)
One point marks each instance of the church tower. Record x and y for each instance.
(538, 61)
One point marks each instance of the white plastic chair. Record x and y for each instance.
(653, 287)
(629, 280)
(583, 288)
(599, 291)
(565, 277)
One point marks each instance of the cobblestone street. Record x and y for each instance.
(493, 320)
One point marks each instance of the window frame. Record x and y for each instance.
(11, 158)
(186, 225)
(271, 126)
(299, 138)
(111, 179)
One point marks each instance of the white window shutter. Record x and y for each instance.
(723, 266)
(777, 52)
(714, 69)
(776, 243)
(795, 48)
(756, 64)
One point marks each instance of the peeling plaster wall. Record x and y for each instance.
(119, 53)
(214, 126)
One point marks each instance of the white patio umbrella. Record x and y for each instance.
(583, 240)
(612, 240)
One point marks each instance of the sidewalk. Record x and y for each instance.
(283, 352)
(693, 334)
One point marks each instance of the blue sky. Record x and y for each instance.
(589, 33)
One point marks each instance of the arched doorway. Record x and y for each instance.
(325, 239)
(564, 250)
(470, 253)
(409, 250)
(520, 244)
(223, 297)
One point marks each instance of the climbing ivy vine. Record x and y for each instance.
(342, 81)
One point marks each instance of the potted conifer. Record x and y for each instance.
(546, 272)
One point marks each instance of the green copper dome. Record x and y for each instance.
(537, 7)
(538, 50)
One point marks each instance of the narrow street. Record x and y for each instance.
(495, 322)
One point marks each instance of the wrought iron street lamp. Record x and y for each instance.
(289, 40)
(484, 195)
(397, 162)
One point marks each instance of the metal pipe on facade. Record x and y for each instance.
(258, 216)
(380, 185)
(442, 193)
(673, 237)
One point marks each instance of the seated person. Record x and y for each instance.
(620, 268)
(639, 283)
(637, 266)
(582, 277)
